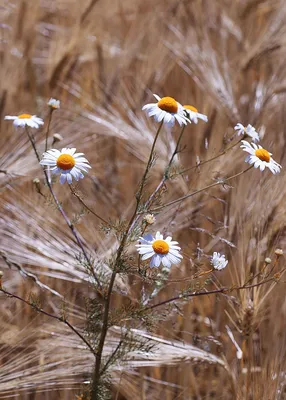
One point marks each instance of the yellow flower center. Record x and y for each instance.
(262, 154)
(191, 108)
(168, 104)
(25, 116)
(65, 162)
(160, 247)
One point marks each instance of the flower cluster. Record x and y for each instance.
(70, 165)
(168, 110)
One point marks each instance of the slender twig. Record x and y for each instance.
(27, 274)
(32, 140)
(166, 174)
(111, 358)
(87, 10)
(73, 191)
(219, 182)
(60, 319)
(199, 164)
(97, 369)
(205, 293)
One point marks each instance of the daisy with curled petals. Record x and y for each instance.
(259, 157)
(167, 110)
(54, 104)
(194, 115)
(218, 261)
(66, 163)
(249, 131)
(26, 120)
(160, 250)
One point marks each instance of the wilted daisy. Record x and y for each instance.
(149, 219)
(160, 250)
(166, 109)
(249, 131)
(218, 261)
(194, 115)
(26, 120)
(66, 163)
(54, 104)
(259, 157)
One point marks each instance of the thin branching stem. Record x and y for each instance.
(73, 191)
(219, 182)
(98, 359)
(206, 293)
(60, 319)
(60, 208)
(199, 164)
(166, 174)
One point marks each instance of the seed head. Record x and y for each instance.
(279, 252)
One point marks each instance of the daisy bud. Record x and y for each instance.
(267, 260)
(279, 252)
(37, 184)
(149, 219)
(57, 138)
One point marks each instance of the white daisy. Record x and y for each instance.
(54, 104)
(259, 157)
(67, 163)
(194, 115)
(249, 131)
(167, 109)
(161, 250)
(26, 119)
(218, 261)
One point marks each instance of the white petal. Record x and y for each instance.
(62, 178)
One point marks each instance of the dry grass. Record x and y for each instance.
(103, 59)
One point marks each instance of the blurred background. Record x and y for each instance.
(103, 59)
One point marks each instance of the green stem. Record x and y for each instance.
(221, 181)
(97, 369)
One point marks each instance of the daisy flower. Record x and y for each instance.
(26, 120)
(66, 163)
(259, 157)
(249, 131)
(166, 109)
(54, 104)
(218, 261)
(160, 250)
(194, 115)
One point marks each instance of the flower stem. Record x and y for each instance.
(98, 360)
(221, 181)
(60, 208)
(60, 319)
(48, 128)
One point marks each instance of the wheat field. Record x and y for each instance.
(103, 59)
